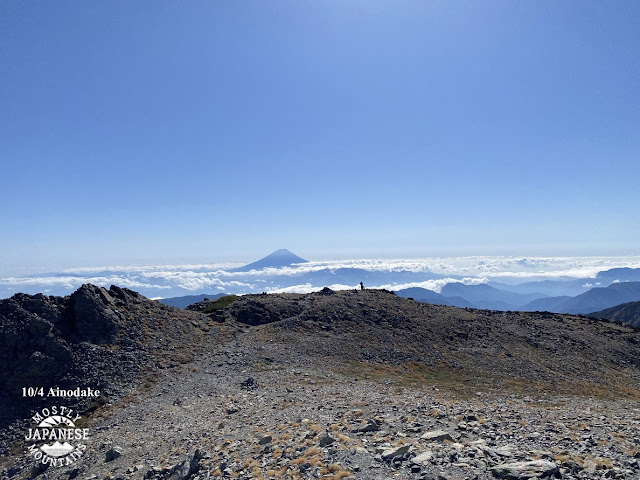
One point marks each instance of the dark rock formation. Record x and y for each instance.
(95, 317)
(94, 338)
(32, 350)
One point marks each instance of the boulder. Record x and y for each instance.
(112, 454)
(249, 384)
(326, 439)
(522, 470)
(423, 458)
(437, 436)
(373, 425)
(95, 318)
(394, 452)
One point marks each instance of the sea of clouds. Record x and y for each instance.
(393, 274)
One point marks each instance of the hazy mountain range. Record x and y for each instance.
(593, 300)
(491, 298)
(185, 301)
(429, 296)
(563, 284)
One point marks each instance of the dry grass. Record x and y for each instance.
(314, 427)
(313, 451)
(610, 391)
(411, 375)
(335, 471)
(277, 473)
(563, 457)
(602, 463)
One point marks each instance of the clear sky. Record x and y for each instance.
(157, 131)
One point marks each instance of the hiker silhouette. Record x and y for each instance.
(361, 286)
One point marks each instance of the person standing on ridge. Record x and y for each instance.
(361, 286)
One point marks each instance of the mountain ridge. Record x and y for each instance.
(429, 296)
(485, 296)
(628, 313)
(186, 300)
(595, 299)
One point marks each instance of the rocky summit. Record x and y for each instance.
(332, 385)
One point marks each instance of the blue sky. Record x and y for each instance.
(155, 131)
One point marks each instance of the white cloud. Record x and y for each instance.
(75, 282)
(202, 278)
(308, 288)
(535, 267)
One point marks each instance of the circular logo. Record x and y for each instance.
(55, 440)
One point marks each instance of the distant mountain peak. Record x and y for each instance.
(278, 259)
(283, 252)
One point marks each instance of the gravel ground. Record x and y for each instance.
(289, 399)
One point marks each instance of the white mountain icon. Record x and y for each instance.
(55, 420)
(57, 449)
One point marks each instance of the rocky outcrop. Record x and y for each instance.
(94, 338)
(37, 332)
(32, 348)
(95, 318)
(257, 312)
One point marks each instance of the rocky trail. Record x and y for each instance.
(360, 385)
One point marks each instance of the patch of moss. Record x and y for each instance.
(220, 303)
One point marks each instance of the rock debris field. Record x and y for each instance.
(329, 385)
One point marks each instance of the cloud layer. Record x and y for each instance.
(392, 274)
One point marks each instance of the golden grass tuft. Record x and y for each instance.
(602, 463)
(314, 427)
